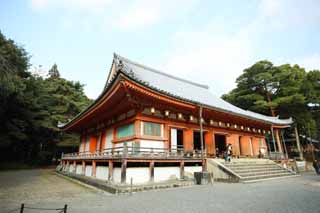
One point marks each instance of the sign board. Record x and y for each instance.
(301, 165)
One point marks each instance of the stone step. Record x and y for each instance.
(239, 170)
(256, 177)
(270, 178)
(252, 166)
(247, 164)
(251, 174)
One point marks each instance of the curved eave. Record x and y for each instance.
(285, 122)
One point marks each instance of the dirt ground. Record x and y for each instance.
(43, 188)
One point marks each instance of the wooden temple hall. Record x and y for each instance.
(152, 126)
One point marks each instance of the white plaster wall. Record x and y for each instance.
(139, 175)
(166, 173)
(189, 170)
(117, 175)
(71, 168)
(88, 171)
(79, 169)
(102, 172)
(109, 138)
(151, 144)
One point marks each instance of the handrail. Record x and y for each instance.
(131, 151)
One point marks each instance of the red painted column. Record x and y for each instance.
(188, 140)
(83, 167)
(181, 169)
(208, 138)
(151, 169)
(68, 165)
(74, 166)
(110, 175)
(277, 136)
(93, 168)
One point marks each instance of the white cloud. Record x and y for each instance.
(208, 58)
(145, 13)
(124, 15)
(216, 57)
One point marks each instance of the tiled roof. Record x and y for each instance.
(186, 90)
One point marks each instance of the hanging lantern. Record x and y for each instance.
(167, 112)
(191, 118)
(153, 110)
(235, 126)
(211, 122)
(180, 115)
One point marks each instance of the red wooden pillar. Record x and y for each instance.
(93, 168)
(137, 127)
(74, 167)
(110, 175)
(83, 167)
(124, 171)
(208, 138)
(181, 169)
(151, 169)
(188, 140)
(68, 165)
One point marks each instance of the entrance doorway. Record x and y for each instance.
(197, 140)
(176, 139)
(220, 142)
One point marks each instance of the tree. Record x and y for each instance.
(283, 90)
(31, 107)
(54, 72)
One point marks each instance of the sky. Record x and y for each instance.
(209, 42)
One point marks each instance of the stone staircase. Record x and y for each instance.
(253, 170)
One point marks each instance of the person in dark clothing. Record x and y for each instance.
(316, 166)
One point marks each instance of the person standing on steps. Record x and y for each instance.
(228, 153)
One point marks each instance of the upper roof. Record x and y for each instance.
(184, 89)
(175, 87)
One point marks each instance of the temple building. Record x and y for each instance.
(152, 126)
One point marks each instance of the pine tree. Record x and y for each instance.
(54, 72)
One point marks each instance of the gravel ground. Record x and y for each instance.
(43, 188)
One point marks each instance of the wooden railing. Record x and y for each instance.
(135, 152)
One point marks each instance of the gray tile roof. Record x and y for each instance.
(186, 90)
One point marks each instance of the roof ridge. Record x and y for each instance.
(160, 72)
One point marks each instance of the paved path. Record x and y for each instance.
(42, 188)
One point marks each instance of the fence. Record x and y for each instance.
(24, 207)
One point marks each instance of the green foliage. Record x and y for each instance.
(31, 107)
(283, 90)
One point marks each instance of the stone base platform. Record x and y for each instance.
(115, 188)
